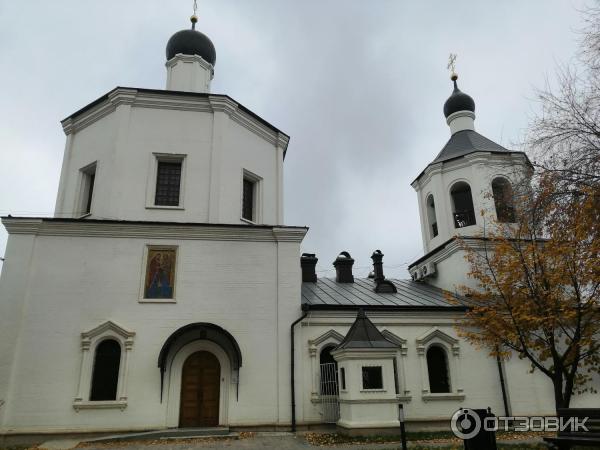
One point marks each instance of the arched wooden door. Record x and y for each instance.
(200, 391)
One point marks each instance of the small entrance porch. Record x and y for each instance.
(199, 374)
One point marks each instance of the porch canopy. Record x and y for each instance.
(194, 332)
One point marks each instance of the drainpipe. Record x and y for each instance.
(293, 379)
(503, 387)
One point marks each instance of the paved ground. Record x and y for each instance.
(282, 441)
(275, 441)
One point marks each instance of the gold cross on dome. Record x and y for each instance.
(452, 64)
(194, 17)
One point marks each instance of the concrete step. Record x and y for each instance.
(171, 433)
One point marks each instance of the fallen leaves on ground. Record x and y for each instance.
(332, 439)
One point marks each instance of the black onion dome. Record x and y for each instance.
(191, 42)
(458, 101)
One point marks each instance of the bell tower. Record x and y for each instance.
(468, 183)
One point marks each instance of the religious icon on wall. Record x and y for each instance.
(160, 273)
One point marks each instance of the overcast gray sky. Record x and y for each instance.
(359, 86)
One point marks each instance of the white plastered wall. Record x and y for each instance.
(472, 371)
(217, 139)
(68, 285)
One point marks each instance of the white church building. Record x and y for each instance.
(167, 292)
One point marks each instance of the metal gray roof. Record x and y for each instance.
(363, 334)
(464, 142)
(327, 293)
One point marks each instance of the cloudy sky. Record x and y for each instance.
(359, 86)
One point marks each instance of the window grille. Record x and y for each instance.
(372, 377)
(168, 180)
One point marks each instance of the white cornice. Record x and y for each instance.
(174, 102)
(331, 334)
(222, 104)
(451, 248)
(436, 334)
(189, 59)
(107, 326)
(89, 228)
(122, 96)
(282, 140)
(169, 101)
(470, 159)
(344, 354)
(334, 318)
(289, 234)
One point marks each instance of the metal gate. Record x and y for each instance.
(330, 401)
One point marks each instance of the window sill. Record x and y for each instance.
(157, 300)
(176, 208)
(323, 398)
(368, 391)
(444, 396)
(104, 404)
(83, 216)
(247, 221)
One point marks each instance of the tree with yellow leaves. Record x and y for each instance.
(537, 292)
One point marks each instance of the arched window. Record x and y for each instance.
(503, 200)
(433, 228)
(462, 205)
(105, 376)
(329, 372)
(437, 367)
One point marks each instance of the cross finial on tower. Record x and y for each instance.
(194, 17)
(452, 66)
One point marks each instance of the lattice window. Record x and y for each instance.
(372, 377)
(168, 183)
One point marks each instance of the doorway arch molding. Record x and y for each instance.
(173, 379)
(200, 331)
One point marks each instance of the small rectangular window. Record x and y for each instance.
(87, 189)
(248, 200)
(90, 192)
(343, 378)
(168, 183)
(372, 377)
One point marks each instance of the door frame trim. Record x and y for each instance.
(174, 380)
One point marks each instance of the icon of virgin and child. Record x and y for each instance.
(160, 273)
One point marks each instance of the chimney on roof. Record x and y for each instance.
(343, 268)
(308, 263)
(381, 284)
